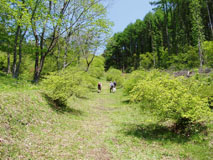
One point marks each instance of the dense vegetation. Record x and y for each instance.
(172, 98)
(177, 35)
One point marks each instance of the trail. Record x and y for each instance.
(97, 125)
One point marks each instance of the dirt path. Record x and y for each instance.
(97, 125)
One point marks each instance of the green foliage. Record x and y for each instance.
(171, 98)
(50, 65)
(66, 84)
(208, 53)
(115, 75)
(3, 60)
(188, 59)
(146, 60)
(206, 87)
(133, 79)
(97, 67)
(138, 75)
(197, 25)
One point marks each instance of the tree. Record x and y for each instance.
(53, 19)
(197, 27)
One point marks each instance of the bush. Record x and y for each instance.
(132, 80)
(97, 67)
(3, 61)
(115, 75)
(206, 87)
(138, 75)
(66, 84)
(187, 59)
(208, 53)
(146, 60)
(172, 98)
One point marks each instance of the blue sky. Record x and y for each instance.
(124, 12)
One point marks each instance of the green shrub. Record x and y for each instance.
(208, 53)
(97, 67)
(146, 60)
(138, 75)
(189, 58)
(3, 61)
(172, 98)
(66, 84)
(132, 80)
(115, 75)
(206, 87)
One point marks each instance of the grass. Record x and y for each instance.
(105, 126)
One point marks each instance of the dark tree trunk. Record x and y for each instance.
(200, 54)
(57, 58)
(38, 67)
(209, 15)
(165, 8)
(17, 71)
(15, 51)
(8, 63)
(89, 62)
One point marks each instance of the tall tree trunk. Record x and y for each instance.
(17, 71)
(38, 67)
(36, 71)
(200, 54)
(15, 51)
(89, 62)
(165, 7)
(8, 63)
(65, 54)
(66, 49)
(57, 58)
(210, 20)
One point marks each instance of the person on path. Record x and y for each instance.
(111, 87)
(114, 84)
(114, 87)
(99, 87)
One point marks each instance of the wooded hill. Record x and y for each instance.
(177, 34)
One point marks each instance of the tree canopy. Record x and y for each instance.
(171, 36)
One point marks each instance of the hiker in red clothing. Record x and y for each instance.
(99, 87)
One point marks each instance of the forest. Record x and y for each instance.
(51, 65)
(177, 35)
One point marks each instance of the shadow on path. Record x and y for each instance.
(155, 132)
(61, 109)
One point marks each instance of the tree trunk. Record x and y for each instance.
(15, 51)
(89, 62)
(17, 71)
(200, 53)
(36, 71)
(65, 56)
(57, 58)
(8, 63)
(19, 62)
(165, 7)
(38, 67)
(210, 21)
